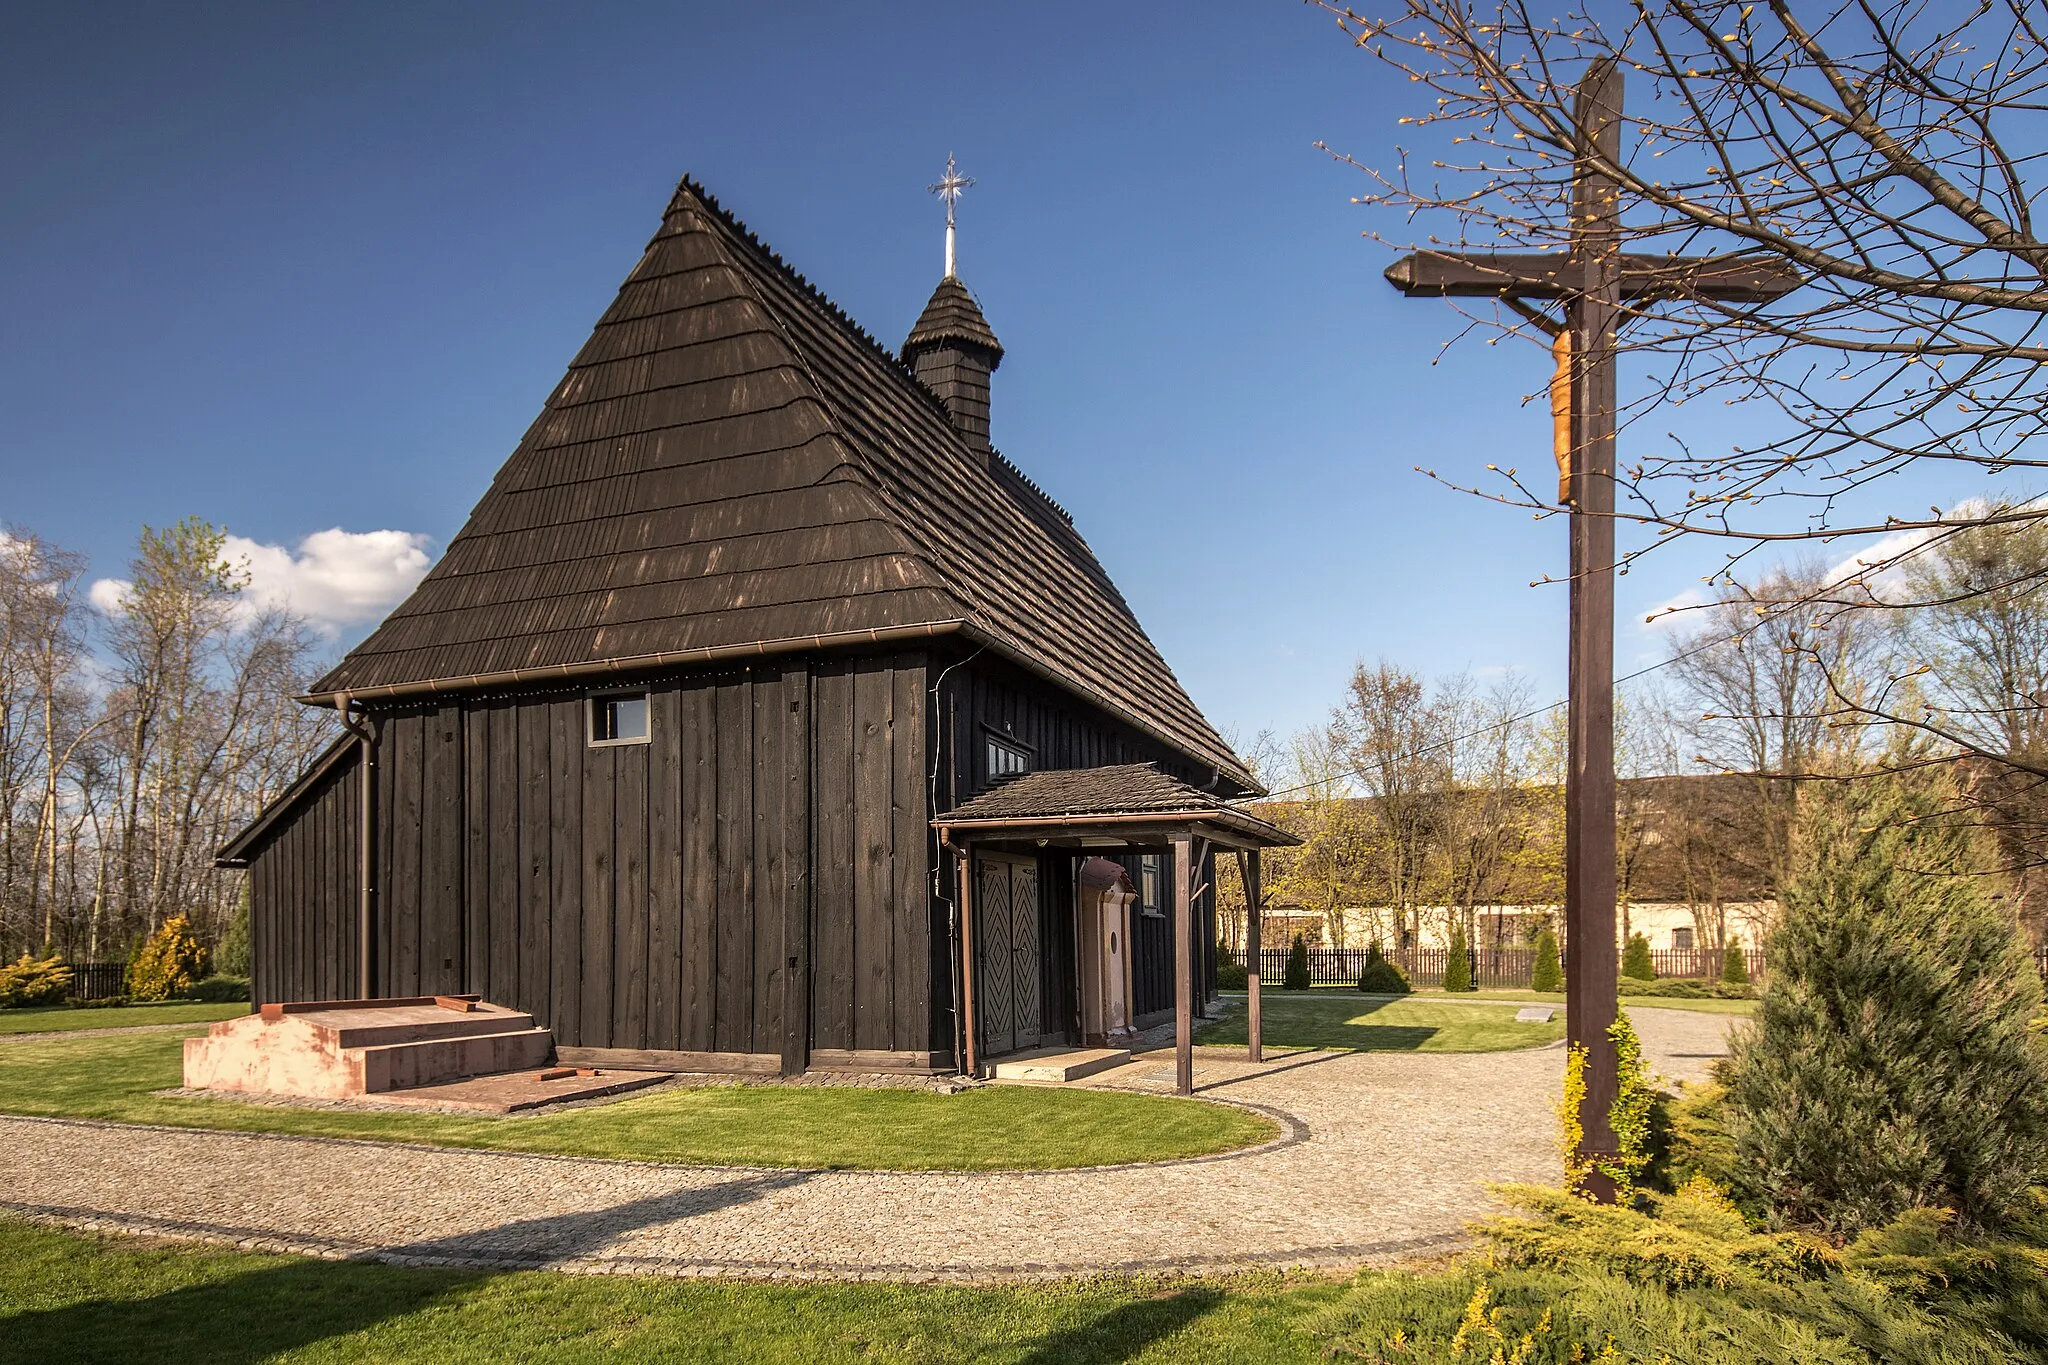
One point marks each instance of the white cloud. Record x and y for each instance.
(333, 578)
(1678, 612)
(110, 595)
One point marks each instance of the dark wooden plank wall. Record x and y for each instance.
(1152, 937)
(1061, 731)
(302, 897)
(872, 926)
(664, 895)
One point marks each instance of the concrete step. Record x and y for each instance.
(1060, 1064)
(400, 1066)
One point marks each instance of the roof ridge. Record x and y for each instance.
(904, 524)
(893, 362)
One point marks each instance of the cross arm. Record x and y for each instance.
(1556, 275)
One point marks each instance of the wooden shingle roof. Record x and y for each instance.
(951, 314)
(1119, 793)
(730, 467)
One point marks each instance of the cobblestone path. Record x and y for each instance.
(1397, 1146)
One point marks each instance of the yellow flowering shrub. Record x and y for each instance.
(169, 964)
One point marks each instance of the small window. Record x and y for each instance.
(1681, 939)
(1004, 759)
(1151, 901)
(619, 719)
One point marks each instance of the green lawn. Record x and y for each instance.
(1654, 1002)
(63, 1018)
(67, 1298)
(1640, 1002)
(1370, 1024)
(994, 1128)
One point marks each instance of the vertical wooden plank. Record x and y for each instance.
(476, 854)
(502, 864)
(665, 818)
(406, 767)
(794, 710)
(629, 893)
(769, 876)
(834, 861)
(600, 851)
(873, 883)
(565, 866)
(441, 820)
(697, 708)
(732, 729)
(910, 846)
(536, 883)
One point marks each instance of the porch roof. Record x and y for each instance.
(1125, 802)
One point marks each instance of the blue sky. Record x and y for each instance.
(294, 269)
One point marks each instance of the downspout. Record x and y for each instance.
(366, 833)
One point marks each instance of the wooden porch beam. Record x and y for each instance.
(1183, 965)
(1248, 866)
(966, 860)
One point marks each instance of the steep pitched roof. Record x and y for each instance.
(732, 466)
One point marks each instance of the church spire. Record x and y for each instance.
(952, 348)
(948, 189)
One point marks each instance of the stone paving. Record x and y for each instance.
(1384, 1160)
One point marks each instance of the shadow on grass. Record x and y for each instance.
(254, 1314)
(1124, 1332)
(1325, 1022)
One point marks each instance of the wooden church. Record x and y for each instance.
(762, 716)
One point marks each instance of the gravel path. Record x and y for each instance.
(1396, 1148)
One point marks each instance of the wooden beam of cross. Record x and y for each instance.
(1592, 279)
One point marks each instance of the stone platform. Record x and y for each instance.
(1058, 1064)
(341, 1049)
(513, 1092)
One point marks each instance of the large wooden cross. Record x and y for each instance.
(1592, 279)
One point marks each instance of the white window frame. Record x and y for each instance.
(594, 700)
(1152, 885)
(993, 741)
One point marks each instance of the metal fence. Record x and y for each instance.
(1505, 968)
(98, 980)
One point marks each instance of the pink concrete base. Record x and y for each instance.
(333, 1050)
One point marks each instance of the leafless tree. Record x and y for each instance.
(1889, 152)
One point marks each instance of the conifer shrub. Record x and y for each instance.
(1548, 972)
(233, 957)
(34, 981)
(1381, 977)
(1891, 1066)
(1458, 962)
(1734, 966)
(1296, 977)
(169, 964)
(1635, 959)
(221, 989)
(1231, 975)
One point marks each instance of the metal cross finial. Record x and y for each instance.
(948, 189)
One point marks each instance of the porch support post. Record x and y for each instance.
(1183, 966)
(966, 860)
(1248, 864)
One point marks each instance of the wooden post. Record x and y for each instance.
(1593, 315)
(1592, 279)
(966, 860)
(1248, 864)
(1183, 966)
